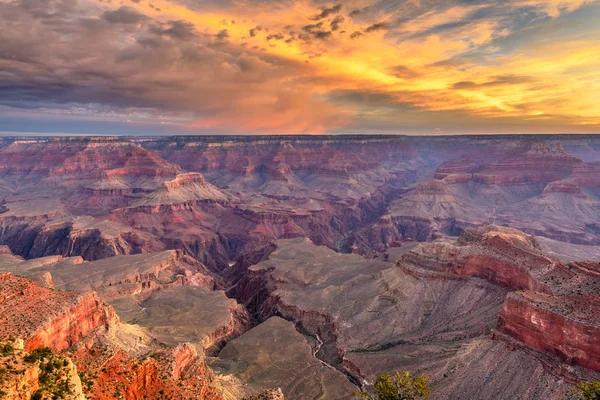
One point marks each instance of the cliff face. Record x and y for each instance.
(554, 325)
(532, 186)
(23, 374)
(501, 255)
(45, 317)
(234, 197)
(532, 162)
(174, 373)
(557, 307)
(23, 386)
(72, 324)
(115, 362)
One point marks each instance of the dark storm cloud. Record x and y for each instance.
(327, 11)
(380, 26)
(312, 27)
(321, 34)
(253, 31)
(275, 36)
(336, 22)
(355, 12)
(314, 31)
(223, 34)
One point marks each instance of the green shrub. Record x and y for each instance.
(7, 349)
(587, 391)
(37, 395)
(38, 354)
(399, 386)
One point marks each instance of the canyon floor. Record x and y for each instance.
(297, 266)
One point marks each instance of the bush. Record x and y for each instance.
(399, 386)
(37, 395)
(587, 391)
(7, 349)
(38, 354)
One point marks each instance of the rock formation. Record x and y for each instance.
(352, 256)
(555, 307)
(26, 375)
(46, 317)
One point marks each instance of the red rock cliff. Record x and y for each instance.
(556, 325)
(557, 307)
(46, 317)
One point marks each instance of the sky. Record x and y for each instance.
(422, 67)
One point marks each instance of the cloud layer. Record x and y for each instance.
(300, 66)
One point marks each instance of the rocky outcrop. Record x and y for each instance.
(174, 373)
(72, 324)
(35, 237)
(179, 314)
(186, 188)
(350, 304)
(556, 308)
(274, 354)
(19, 386)
(566, 327)
(533, 162)
(501, 255)
(23, 375)
(46, 317)
(185, 357)
(114, 359)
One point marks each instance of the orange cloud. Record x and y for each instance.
(358, 65)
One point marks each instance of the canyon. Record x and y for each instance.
(223, 267)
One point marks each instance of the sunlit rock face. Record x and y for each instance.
(45, 317)
(213, 265)
(556, 304)
(110, 356)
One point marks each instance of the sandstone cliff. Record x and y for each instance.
(556, 307)
(46, 317)
(40, 374)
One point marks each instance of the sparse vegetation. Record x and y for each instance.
(261, 396)
(7, 349)
(266, 395)
(54, 379)
(399, 386)
(86, 382)
(587, 391)
(38, 354)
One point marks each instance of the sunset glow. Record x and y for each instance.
(302, 66)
